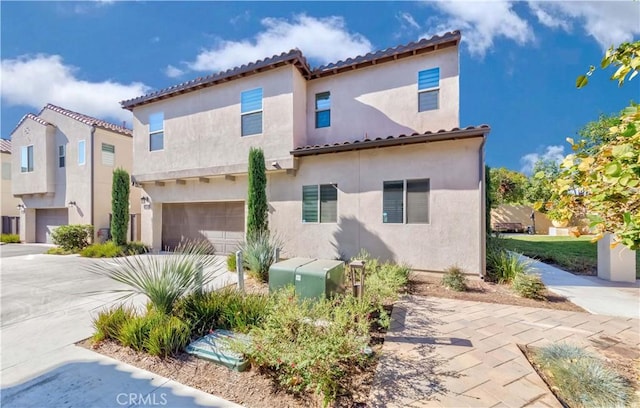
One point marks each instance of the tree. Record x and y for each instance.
(606, 183)
(626, 57)
(257, 220)
(539, 190)
(507, 186)
(120, 206)
(594, 133)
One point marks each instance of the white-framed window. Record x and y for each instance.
(156, 131)
(429, 89)
(26, 159)
(62, 156)
(323, 110)
(320, 203)
(108, 154)
(405, 201)
(251, 112)
(82, 152)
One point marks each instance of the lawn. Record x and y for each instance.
(573, 254)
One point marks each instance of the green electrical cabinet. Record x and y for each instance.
(282, 273)
(319, 279)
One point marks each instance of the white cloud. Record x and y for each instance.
(407, 20)
(608, 22)
(320, 39)
(481, 23)
(35, 80)
(554, 152)
(173, 72)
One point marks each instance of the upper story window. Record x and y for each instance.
(428, 89)
(156, 131)
(251, 111)
(26, 159)
(62, 156)
(410, 197)
(323, 110)
(82, 152)
(108, 154)
(320, 203)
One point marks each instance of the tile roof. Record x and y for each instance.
(5, 145)
(32, 117)
(296, 58)
(89, 120)
(440, 135)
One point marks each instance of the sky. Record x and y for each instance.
(518, 60)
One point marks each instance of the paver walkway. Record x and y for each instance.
(453, 353)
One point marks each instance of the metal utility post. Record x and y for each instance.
(276, 255)
(240, 271)
(357, 277)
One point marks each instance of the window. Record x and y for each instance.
(251, 112)
(108, 154)
(410, 197)
(428, 89)
(61, 156)
(320, 201)
(26, 159)
(156, 131)
(82, 151)
(323, 110)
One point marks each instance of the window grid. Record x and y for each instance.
(61, 156)
(323, 110)
(320, 203)
(251, 112)
(82, 151)
(156, 132)
(420, 195)
(429, 89)
(26, 159)
(108, 154)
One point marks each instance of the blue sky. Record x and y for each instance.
(519, 60)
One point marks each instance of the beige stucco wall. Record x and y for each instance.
(202, 134)
(43, 177)
(453, 236)
(8, 203)
(382, 100)
(521, 214)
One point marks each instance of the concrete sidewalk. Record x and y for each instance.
(453, 353)
(595, 295)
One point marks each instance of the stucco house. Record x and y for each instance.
(62, 169)
(362, 153)
(8, 204)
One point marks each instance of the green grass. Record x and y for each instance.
(570, 253)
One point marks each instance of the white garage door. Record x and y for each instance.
(47, 220)
(220, 223)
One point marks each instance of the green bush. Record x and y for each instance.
(73, 237)
(529, 286)
(231, 262)
(257, 206)
(242, 312)
(503, 266)
(58, 251)
(134, 248)
(581, 379)
(454, 279)
(105, 250)
(258, 254)
(168, 337)
(10, 238)
(135, 332)
(109, 322)
(120, 206)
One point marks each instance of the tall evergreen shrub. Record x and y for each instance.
(257, 221)
(120, 206)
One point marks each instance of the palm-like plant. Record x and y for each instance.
(162, 279)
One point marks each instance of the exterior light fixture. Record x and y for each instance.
(145, 200)
(276, 165)
(21, 207)
(71, 204)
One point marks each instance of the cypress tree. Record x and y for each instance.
(120, 206)
(257, 221)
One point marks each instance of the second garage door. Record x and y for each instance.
(221, 223)
(47, 220)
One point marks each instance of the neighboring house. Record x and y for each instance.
(355, 153)
(9, 204)
(62, 170)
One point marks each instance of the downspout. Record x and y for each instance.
(93, 131)
(483, 205)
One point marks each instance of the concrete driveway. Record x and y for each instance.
(9, 250)
(47, 304)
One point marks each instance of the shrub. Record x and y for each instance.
(231, 262)
(454, 279)
(529, 286)
(505, 265)
(120, 206)
(73, 237)
(109, 322)
(58, 251)
(163, 279)
(134, 248)
(10, 238)
(102, 250)
(581, 379)
(134, 333)
(168, 337)
(242, 312)
(257, 207)
(259, 254)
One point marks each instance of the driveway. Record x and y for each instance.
(9, 250)
(47, 305)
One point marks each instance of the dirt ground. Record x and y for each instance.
(429, 284)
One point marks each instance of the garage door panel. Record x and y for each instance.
(47, 220)
(222, 224)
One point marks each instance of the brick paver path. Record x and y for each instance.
(453, 353)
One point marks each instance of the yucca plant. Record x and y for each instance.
(163, 279)
(259, 254)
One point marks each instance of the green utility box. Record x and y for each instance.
(281, 274)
